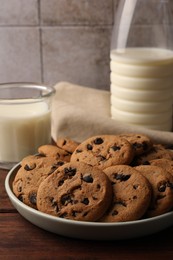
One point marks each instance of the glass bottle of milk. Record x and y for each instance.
(141, 63)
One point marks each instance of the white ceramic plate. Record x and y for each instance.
(87, 230)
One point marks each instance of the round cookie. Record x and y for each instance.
(104, 151)
(140, 142)
(131, 194)
(75, 191)
(162, 189)
(164, 163)
(34, 169)
(67, 144)
(54, 151)
(158, 151)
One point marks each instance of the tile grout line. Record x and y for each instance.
(41, 48)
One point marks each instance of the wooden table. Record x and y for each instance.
(19, 239)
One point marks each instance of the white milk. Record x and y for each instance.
(23, 128)
(142, 86)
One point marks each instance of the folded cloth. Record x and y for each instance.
(79, 112)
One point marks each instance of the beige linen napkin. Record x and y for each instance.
(79, 112)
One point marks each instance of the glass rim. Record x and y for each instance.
(43, 92)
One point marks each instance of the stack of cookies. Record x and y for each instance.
(106, 178)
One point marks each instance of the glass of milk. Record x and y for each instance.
(25, 120)
(141, 64)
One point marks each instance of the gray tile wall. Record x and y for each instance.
(48, 41)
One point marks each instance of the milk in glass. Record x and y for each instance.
(23, 128)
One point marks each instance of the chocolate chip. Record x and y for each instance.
(65, 199)
(85, 201)
(98, 140)
(19, 186)
(53, 168)
(170, 185)
(70, 171)
(54, 204)
(60, 183)
(89, 147)
(20, 197)
(33, 198)
(29, 167)
(59, 163)
(121, 177)
(87, 178)
(143, 145)
(98, 186)
(135, 186)
(114, 213)
(74, 213)
(137, 145)
(63, 215)
(162, 187)
(40, 155)
(79, 151)
(53, 201)
(85, 214)
(115, 148)
(101, 158)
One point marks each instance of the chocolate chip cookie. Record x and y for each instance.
(34, 169)
(103, 151)
(162, 189)
(131, 194)
(75, 191)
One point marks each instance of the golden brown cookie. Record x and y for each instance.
(162, 189)
(67, 144)
(131, 194)
(75, 191)
(34, 169)
(140, 142)
(103, 151)
(54, 151)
